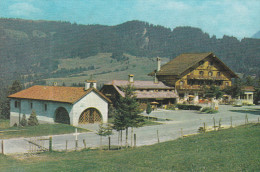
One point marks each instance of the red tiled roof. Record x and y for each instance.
(55, 93)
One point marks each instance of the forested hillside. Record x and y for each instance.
(35, 47)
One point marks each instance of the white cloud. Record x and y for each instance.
(23, 9)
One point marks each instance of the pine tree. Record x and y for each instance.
(128, 112)
(23, 121)
(32, 121)
(104, 131)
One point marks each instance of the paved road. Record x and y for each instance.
(188, 121)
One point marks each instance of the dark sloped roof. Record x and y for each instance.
(55, 93)
(181, 63)
(248, 88)
(140, 84)
(168, 92)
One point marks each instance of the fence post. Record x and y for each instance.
(246, 119)
(76, 144)
(219, 124)
(158, 136)
(2, 146)
(214, 122)
(204, 127)
(50, 144)
(84, 142)
(66, 145)
(134, 140)
(109, 142)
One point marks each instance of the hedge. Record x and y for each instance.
(188, 107)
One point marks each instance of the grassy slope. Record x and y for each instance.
(139, 66)
(234, 149)
(40, 130)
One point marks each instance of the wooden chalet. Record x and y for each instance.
(191, 73)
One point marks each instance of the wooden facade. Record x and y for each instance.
(191, 73)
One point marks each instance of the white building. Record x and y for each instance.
(70, 105)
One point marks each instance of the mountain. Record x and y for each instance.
(256, 35)
(35, 49)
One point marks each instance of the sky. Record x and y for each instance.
(239, 18)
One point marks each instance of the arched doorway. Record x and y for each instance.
(62, 116)
(90, 116)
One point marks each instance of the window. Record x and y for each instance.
(210, 73)
(218, 74)
(201, 73)
(211, 63)
(181, 82)
(45, 107)
(227, 84)
(16, 104)
(31, 105)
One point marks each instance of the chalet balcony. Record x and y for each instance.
(196, 87)
(202, 77)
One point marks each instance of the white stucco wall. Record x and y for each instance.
(91, 100)
(39, 107)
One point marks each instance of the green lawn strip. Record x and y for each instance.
(4, 123)
(235, 149)
(40, 130)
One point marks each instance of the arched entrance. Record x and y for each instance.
(62, 116)
(90, 116)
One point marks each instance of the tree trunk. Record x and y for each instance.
(118, 140)
(100, 142)
(132, 132)
(126, 137)
(121, 138)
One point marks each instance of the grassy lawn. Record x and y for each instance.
(235, 149)
(4, 123)
(40, 130)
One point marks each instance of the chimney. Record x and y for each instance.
(90, 84)
(155, 78)
(131, 78)
(158, 64)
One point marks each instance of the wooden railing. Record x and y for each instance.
(202, 77)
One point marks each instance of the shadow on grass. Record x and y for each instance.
(248, 111)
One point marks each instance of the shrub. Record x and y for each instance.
(188, 107)
(32, 121)
(23, 121)
(171, 107)
(209, 110)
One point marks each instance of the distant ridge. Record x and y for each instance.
(36, 47)
(256, 35)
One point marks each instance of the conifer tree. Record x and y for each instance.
(127, 112)
(23, 121)
(32, 121)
